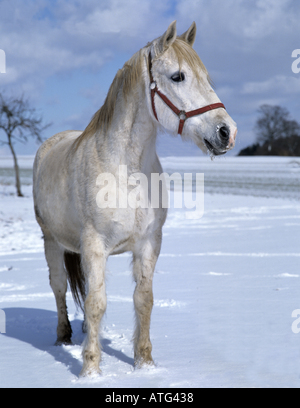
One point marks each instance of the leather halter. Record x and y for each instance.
(183, 116)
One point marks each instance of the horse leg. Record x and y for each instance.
(58, 282)
(143, 268)
(93, 262)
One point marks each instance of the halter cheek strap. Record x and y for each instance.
(182, 115)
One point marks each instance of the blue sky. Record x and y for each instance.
(63, 55)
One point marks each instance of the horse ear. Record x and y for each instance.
(168, 37)
(190, 35)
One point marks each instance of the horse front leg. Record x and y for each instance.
(143, 268)
(93, 263)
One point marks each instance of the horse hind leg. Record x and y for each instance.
(76, 281)
(58, 282)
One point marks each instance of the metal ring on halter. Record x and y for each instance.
(153, 85)
(182, 115)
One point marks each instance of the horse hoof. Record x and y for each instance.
(64, 342)
(142, 363)
(91, 372)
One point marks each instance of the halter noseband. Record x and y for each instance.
(183, 116)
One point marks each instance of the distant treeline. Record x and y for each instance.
(283, 146)
(276, 134)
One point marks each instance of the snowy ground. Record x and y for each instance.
(225, 288)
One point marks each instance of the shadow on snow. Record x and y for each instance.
(37, 327)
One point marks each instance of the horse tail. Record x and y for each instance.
(75, 277)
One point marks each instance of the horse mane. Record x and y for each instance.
(126, 80)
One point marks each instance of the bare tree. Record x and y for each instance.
(274, 123)
(19, 122)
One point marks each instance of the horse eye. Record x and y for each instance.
(178, 77)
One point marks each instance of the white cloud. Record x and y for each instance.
(42, 38)
(245, 19)
(278, 84)
(246, 46)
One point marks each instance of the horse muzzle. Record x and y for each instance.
(222, 141)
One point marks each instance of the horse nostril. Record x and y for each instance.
(224, 133)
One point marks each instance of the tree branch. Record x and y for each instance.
(19, 122)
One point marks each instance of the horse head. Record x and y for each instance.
(181, 97)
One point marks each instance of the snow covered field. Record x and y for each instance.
(225, 288)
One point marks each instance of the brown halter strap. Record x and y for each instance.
(183, 116)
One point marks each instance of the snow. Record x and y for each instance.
(225, 288)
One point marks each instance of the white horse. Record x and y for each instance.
(164, 84)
